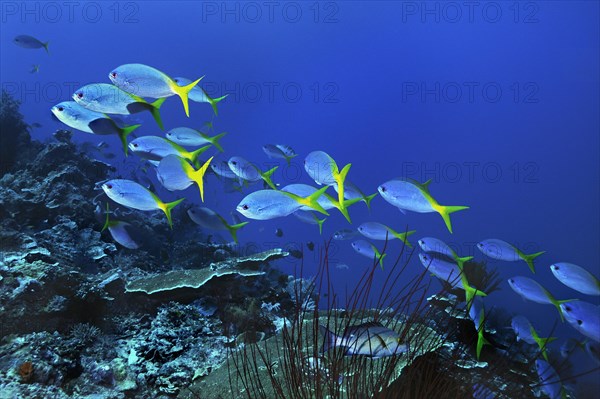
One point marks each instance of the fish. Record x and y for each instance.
(310, 217)
(410, 195)
(30, 42)
(324, 171)
(550, 382)
(569, 346)
(477, 315)
(278, 232)
(74, 115)
(584, 317)
(120, 231)
(437, 246)
(198, 94)
(370, 339)
(576, 277)
(378, 231)
(369, 250)
(188, 137)
(593, 349)
(270, 204)
(531, 290)
(211, 220)
(345, 234)
(351, 191)
(146, 81)
(326, 201)
(451, 273)
(222, 169)
(35, 68)
(155, 148)
(250, 172)
(109, 99)
(501, 250)
(34, 125)
(135, 196)
(525, 332)
(279, 151)
(175, 173)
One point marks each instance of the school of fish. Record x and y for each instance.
(135, 88)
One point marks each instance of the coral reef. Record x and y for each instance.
(68, 325)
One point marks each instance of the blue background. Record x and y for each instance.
(384, 87)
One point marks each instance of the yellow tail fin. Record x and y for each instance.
(183, 91)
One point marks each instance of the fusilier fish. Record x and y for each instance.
(576, 277)
(379, 231)
(345, 234)
(109, 99)
(550, 382)
(451, 273)
(199, 95)
(351, 191)
(533, 291)
(145, 81)
(324, 170)
(270, 204)
(434, 245)
(310, 217)
(326, 201)
(30, 42)
(409, 195)
(135, 196)
(370, 339)
(477, 315)
(120, 231)
(74, 115)
(584, 317)
(189, 137)
(222, 169)
(279, 151)
(211, 220)
(155, 148)
(175, 173)
(569, 346)
(525, 331)
(369, 250)
(250, 172)
(501, 250)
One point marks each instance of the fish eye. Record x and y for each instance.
(109, 186)
(568, 308)
(555, 267)
(383, 189)
(113, 74)
(233, 162)
(245, 207)
(579, 322)
(80, 95)
(60, 109)
(480, 245)
(135, 145)
(511, 280)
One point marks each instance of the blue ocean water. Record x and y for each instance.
(496, 102)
